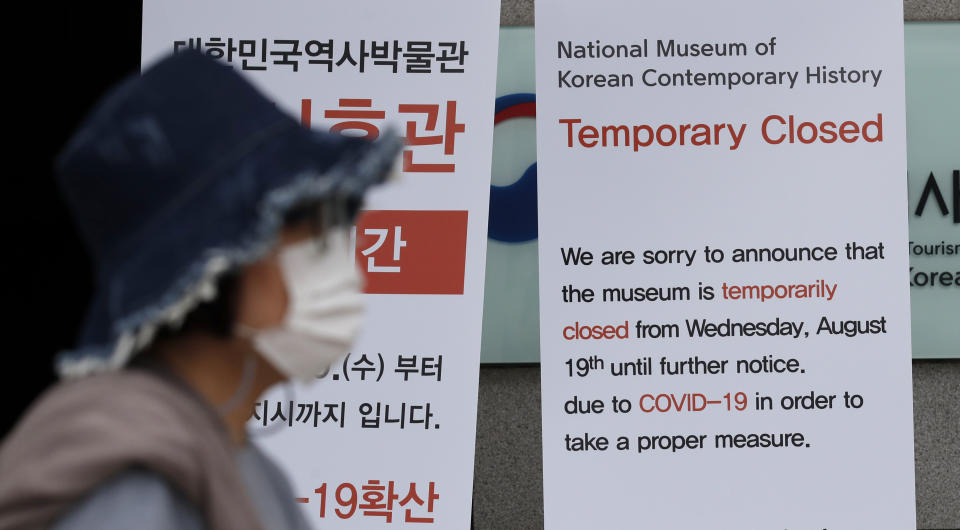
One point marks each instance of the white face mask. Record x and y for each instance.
(324, 311)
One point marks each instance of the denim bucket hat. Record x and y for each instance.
(184, 173)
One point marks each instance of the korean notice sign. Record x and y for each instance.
(385, 438)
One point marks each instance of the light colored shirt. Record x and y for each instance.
(140, 499)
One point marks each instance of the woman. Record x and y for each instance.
(218, 228)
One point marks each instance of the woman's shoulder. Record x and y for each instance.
(135, 498)
(270, 491)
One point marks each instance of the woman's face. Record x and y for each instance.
(262, 295)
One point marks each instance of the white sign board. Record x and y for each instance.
(386, 437)
(725, 329)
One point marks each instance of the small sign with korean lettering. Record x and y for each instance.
(412, 252)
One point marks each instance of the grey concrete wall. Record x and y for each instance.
(507, 488)
(936, 431)
(520, 12)
(931, 10)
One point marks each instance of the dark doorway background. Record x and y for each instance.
(79, 51)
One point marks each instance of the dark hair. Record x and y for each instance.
(214, 316)
(322, 215)
(217, 316)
